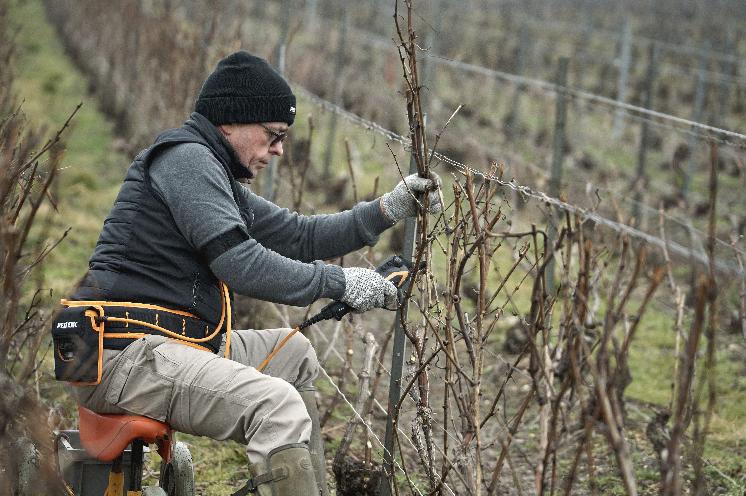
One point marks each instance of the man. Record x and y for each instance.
(181, 226)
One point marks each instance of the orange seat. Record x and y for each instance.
(105, 437)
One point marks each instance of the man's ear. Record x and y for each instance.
(225, 129)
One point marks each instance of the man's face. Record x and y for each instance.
(255, 144)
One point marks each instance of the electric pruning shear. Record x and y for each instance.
(394, 269)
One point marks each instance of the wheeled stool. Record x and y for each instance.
(105, 457)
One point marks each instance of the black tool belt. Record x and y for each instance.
(85, 328)
(120, 330)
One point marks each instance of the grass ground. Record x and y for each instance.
(51, 87)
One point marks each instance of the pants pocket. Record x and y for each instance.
(136, 388)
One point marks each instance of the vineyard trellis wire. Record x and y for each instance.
(525, 190)
(723, 136)
(675, 68)
(661, 120)
(589, 185)
(637, 113)
(609, 33)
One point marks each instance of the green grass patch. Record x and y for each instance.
(50, 87)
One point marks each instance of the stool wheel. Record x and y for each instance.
(153, 491)
(177, 475)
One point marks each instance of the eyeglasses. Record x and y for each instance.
(277, 136)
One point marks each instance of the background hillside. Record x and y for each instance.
(635, 196)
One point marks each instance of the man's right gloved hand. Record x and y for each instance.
(366, 289)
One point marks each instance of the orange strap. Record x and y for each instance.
(99, 328)
(402, 274)
(277, 348)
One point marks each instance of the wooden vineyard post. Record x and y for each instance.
(312, 13)
(729, 69)
(512, 121)
(280, 53)
(697, 113)
(624, 61)
(555, 180)
(644, 133)
(338, 88)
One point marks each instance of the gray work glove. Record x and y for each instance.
(400, 204)
(366, 289)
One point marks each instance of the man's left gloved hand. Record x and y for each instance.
(366, 289)
(400, 204)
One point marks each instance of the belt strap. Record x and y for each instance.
(122, 325)
(184, 325)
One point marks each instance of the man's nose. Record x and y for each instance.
(276, 149)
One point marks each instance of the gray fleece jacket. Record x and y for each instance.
(281, 260)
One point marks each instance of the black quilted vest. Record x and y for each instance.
(141, 256)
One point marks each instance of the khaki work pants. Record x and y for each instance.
(202, 393)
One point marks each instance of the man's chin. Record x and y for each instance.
(255, 169)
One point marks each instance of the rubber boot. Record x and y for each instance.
(288, 471)
(316, 444)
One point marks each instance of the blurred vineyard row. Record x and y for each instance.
(517, 385)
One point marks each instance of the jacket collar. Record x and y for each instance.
(199, 124)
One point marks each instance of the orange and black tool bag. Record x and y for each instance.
(78, 345)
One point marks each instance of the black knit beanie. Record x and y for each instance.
(244, 89)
